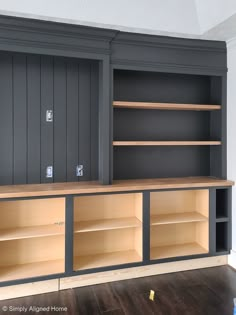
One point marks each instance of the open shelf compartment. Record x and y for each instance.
(179, 223)
(107, 230)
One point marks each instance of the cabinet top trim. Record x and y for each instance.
(38, 190)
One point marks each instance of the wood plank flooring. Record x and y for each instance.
(200, 292)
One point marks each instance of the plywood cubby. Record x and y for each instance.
(32, 238)
(107, 230)
(179, 223)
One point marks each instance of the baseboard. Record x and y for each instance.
(232, 259)
(27, 289)
(142, 271)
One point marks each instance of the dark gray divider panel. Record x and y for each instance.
(31, 85)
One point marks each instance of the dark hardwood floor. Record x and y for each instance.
(200, 292)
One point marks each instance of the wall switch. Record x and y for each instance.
(79, 170)
(49, 115)
(49, 172)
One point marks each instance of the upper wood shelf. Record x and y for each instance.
(60, 189)
(164, 143)
(174, 218)
(106, 224)
(165, 106)
(31, 232)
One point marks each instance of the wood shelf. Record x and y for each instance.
(31, 232)
(174, 218)
(164, 143)
(106, 224)
(178, 250)
(30, 270)
(165, 106)
(106, 259)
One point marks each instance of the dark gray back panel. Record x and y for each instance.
(158, 162)
(30, 85)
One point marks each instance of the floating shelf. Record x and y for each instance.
(164, 143)
(106, 259)
(30, 270)
(31, 232)
(106, 224)
(166, 106)
(174, 218)
(177, 250)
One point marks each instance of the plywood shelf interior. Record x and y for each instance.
(177, 250)
(31, 232)
(164, 143)
(102, 217)
(106, 224)
(179, 223)
(106, 259)
(174, 218)
(29, 270)
(165, 106)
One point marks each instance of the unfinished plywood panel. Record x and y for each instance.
(105, 248)
(107, 212)
(173, 240)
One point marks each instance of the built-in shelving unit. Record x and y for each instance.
(32, 238)
(98, 224)
(222, 220)
(179, 223)
(165, 106)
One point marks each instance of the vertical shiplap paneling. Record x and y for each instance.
(84, 119)
(33, 102)
(59, 120)
(6, 120)
(72, 119)
(46, 127)
(20, 119)
(94, 122)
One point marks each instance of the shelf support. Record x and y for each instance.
(146, 226)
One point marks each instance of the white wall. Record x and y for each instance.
(212, 12)
(231, 134)
(162, 15)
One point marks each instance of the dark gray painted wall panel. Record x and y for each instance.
(60, 121)
(47, 103)
(20, 119)
(94, 121)
(31, 85)
(72, 119)
(6, 120)
(33, 119)
(84, 119)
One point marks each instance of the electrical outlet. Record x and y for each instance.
(49, 115)
(79, 170)
(49, 172)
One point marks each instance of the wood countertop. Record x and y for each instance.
(54, 189)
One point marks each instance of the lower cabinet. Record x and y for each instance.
(32, 238)
(110, 230)
(107, 230)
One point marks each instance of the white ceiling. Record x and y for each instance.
(210, 19)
